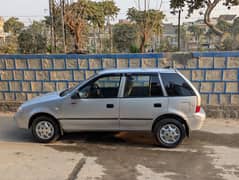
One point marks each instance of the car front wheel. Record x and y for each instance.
(45, 129)
(169, 132)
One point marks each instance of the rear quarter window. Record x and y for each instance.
(175, 85)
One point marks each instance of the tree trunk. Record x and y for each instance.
(217, 31)
(142, 43)
(77, 39)
(79, 36)
(210, 8)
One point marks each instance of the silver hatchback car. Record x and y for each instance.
(161, 101)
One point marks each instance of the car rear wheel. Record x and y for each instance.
(45, 129)
(169, 132)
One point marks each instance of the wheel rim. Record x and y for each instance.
(169, 133)
(44, 130)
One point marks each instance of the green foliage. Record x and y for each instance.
(10, 46)
(101, 10)
(193, 5)
(58, 31)
(33, 39)
(147, 22)
(224, 26)
(83, 13)
(195, 29)
(151, 17)
(230, 40)
(197, 32)
(13, 25)
(166, 46)
(228, 44)
(134, 49)
(235, 26)
(205, 5)
(124, 37)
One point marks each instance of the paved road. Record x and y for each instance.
(212, 153)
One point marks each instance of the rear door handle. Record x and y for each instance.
(158, 105)
(109, 105)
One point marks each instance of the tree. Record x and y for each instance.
(208, 6)
(10, 46)
(33, 39)
(235, 33)
(124, 37)
(230, 30)
(79, 15)
(13, 25)
(197, 33)
(166, 46)
(183, 36)
(147, 22)
(224, 26)
(227, 44)
(58, 35)
(235, 26)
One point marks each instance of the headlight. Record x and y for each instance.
(19, 108)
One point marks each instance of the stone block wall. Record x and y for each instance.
(214, 74)
(23, 77)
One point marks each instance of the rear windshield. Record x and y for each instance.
(175, 85)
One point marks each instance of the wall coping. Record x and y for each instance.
(82, 56)
(118, 56)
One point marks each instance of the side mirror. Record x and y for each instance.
(76, 95)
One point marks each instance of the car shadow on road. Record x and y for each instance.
(140, 139)
(9, 132)
(144, 139)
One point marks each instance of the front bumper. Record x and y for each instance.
(21, 120)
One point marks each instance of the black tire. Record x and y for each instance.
(172, 122)
(54, 135)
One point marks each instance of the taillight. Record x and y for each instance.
(198, 109)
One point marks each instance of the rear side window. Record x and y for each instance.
(142, 85)
(175, 85)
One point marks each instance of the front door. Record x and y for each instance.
(142, 101)
(97, 107)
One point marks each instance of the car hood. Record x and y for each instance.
(42, 99)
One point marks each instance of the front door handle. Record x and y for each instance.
(157, 105)
(109, 105)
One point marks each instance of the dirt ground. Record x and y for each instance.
(212, 153)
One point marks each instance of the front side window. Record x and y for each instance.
(142, 86)
(175, 85)
(103, 87)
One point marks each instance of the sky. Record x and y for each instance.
(29, 10)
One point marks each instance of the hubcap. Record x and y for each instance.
(44, 130)
(169, 133)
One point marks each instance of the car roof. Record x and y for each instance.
(139, 70)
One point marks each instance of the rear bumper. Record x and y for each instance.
(197, 120)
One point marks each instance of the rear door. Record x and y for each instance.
(142, 100)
